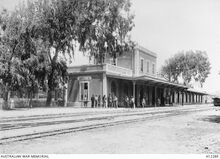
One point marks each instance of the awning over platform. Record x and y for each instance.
(197, 91)
(159, 82)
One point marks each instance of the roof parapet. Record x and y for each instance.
(141, 48)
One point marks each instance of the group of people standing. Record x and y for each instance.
(98, 101)
(111, 101)
(129, 102)
(101, 101)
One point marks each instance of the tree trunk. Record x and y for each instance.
(49, 98)
(50, 80)
(65, 95)
(30, 101)
(6, 103)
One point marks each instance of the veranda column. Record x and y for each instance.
(137, 91)
(155, 96)
(171, 96)
(190, 99)
(193, 98)
(151, 95)
(182, 93)
(180, 98)
(187, 95)
(104, 87)
(134, 83)
(164, 93)
(183, 97)
(176, 97)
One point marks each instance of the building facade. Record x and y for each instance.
(133, 75)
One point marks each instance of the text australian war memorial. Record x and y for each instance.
(132, 76)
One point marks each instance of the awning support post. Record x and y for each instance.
(155, 96)
(134, 83)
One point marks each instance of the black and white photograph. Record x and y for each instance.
(109, 77)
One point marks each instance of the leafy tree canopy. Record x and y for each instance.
(21, 59)
(98, 26)
(39, 33)
(187, 66)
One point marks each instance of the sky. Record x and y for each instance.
(168, 26)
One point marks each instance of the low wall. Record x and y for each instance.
(24, 103)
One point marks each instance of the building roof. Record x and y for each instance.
(141, 48)
(159, 81)
(197, 91)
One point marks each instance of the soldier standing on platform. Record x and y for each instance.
(85, 101)
(92, 101)
(109, 100)
(96, 101)
(143, 102)
(104, 101)
(99, 101)
(132, 102)
(115, 101)
(126, 102)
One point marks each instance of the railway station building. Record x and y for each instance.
(132, 74)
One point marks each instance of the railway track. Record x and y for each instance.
(33, 121)
(54, 116)
(107, 119)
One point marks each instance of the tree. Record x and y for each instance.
(10, 78)
(96, 25)
(55, 23)
(19, 59)
(40, 34)
(109, 33)
(187, 66)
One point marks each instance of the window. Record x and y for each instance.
(153, 68)
(84, 91)
(142, 65)
(148, 66)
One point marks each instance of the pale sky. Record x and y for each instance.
(168, 26)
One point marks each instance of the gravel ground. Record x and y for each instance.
(192, 133)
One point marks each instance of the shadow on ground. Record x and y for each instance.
(212, 118)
